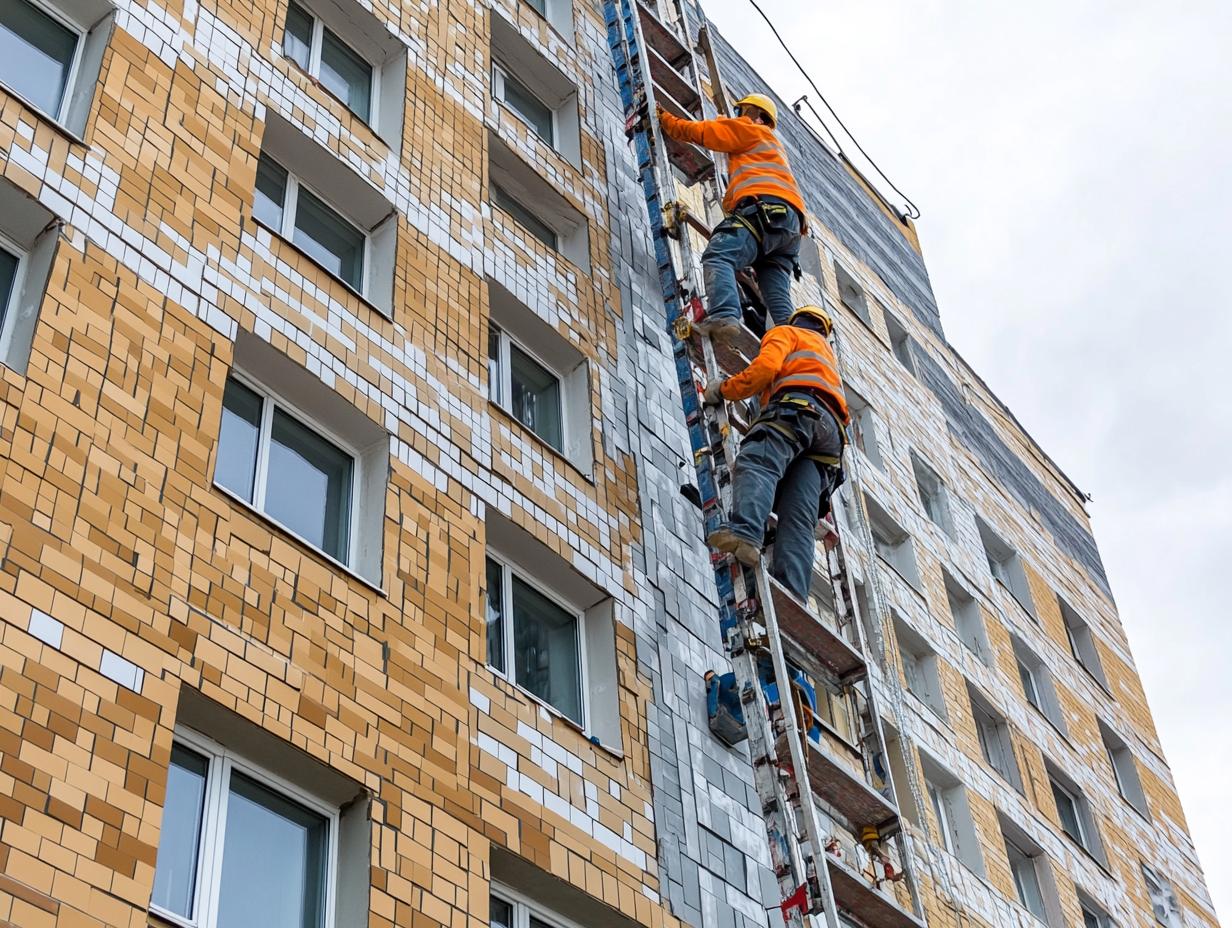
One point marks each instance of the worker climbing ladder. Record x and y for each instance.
(827, 801)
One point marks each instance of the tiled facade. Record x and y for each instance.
(138, 596)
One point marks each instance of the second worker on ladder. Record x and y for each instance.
(790, 460)
(764, 213)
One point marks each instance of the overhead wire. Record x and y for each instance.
(912, 210)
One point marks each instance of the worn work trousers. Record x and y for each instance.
(733, 247)
(774, 471)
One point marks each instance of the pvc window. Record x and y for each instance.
(1006, 566)
(241, 846)
(1068, 812)
(851, 294)
(1037, 685)
(510, 909)
(1124, 769)
(297, 214)
(1082, 643)
(1024, 868)
(968, 622)
(524, 217)
(900, 341)
(535, 641)
(920, 666)
(862, 428)
(1093, 915)
(539, 6)
(948, 800)
(996, 743)
(1164, 905)
(528, 390)
(11, 266)
(892, 543)
(313, 493)
(932, 494)
(339, 68)
(522, 101)
(39, 53)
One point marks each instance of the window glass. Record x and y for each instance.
(525, 218)
(346, 75)
(297, 40)
(545, 648)
(273, 863)
(36, 53)
(538, 923)
(175, 873)
(535, 397)
(1026, 882)
(309, 485)
(494, 368)
(943, 820)
(238, 439)
(1090, 919)
(1067, 811)
(500, 912)
(536, 113)
(1028, 684)
(271, 193)
(496, 615)
(8, 274)
(329, 239)
(541, 6)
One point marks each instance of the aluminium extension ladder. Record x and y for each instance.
(795, 775)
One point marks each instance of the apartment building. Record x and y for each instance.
(345, 575)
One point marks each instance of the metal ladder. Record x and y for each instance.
(795, 775)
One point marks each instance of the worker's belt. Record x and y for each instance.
(765, 216)
(812, 400)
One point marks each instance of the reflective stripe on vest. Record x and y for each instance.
(734, 189)
(803, 380)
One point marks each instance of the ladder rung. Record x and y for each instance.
(855, 895)
(844, 662)
(662, 38)
(843, 789)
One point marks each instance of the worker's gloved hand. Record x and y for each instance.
(713, 394)
(659, 111)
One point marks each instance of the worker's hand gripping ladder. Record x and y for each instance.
(781, 757)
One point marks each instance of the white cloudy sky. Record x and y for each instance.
(1073, 162)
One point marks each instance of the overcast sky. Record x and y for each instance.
(1073, 163)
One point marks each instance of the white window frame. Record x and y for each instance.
(19, 281)
(1025, 674)
(996, 742)
(863, 428)
(1033, 861)
(1076, 802)
(70, 80)
(314, 65)
(524, 907)
(1082, 643)
(271, 399)
(290, 205)
(500, 72)
(509, 674)
(210, 843)
(900, 341)
(940, 804)
(922, 469)
(1152, 878)
(504, 391)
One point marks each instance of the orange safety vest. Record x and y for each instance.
(791, 357)
(756, 159)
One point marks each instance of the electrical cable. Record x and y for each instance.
(912, 210)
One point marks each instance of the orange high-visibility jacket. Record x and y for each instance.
(790, 357)
(756, 161)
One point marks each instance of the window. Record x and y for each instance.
(1031, 875)
(1093, 914)
(996, 743)
(315, 227)
(1006, 566)
(920, 666)
(1037, 685)
(534, 90)
(948, 800)
(557, 641)
(900, 341)
(519, 98)
(339, 68)
(519, 191)
(1068, 813)
(1163, 899)
(1074, 812)
(1124, 769)
(51, 54)
(525, 218)
(851, 294)
(968, 622)
(539, 378)
(862, 428)
(29, 234)
(539, 6)
(534, 640)
(932, 494)
(240, 846)
(328, 470)
(1082, 643)
(892, 542)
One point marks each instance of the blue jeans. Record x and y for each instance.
(733, 247)
(773, 470)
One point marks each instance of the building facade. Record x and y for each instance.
(345, 574)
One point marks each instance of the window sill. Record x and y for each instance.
(1096, 680)
(914, 587)
(324, 270)
(536, 139)
(552, 253)
(303, 542)
(1021, 605)
(1064, 736)
(547, 22)
(545, 445)
(520, 692)
(45, 118)
(1088, 855)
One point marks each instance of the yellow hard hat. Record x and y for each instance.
(764, 103)
(817, 313)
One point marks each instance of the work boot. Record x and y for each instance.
(720, 329)
(725, 540)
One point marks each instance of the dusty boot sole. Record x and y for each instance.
(723, 331)
(727, 541)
